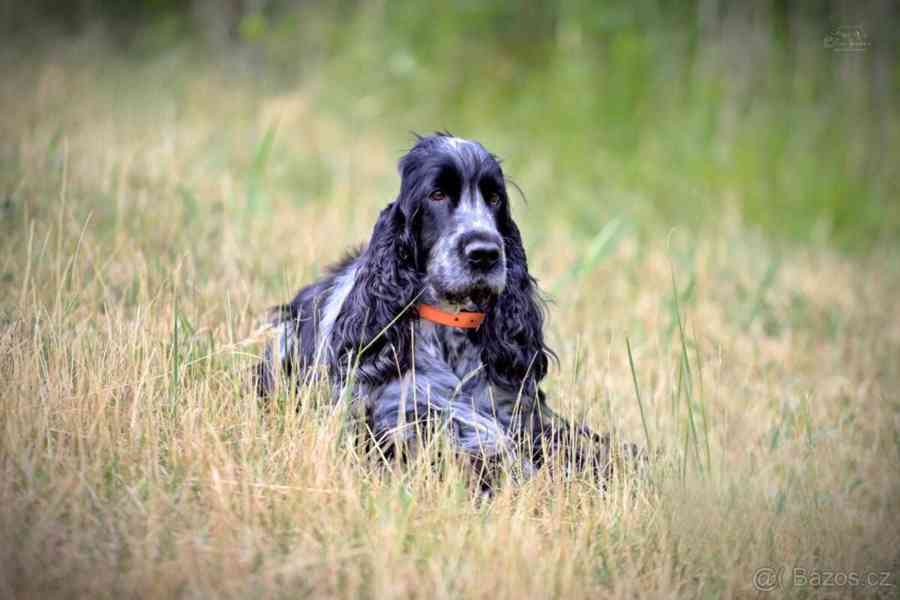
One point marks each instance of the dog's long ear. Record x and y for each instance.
(385, 284)
(514, 353)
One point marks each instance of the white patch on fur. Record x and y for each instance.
(343, 283)
(475, 215)
(284, 342)
(456, 142)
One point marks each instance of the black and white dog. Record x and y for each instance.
(437, 320)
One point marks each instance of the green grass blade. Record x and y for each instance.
(637, 394)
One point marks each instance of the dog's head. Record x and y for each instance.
(453, 194)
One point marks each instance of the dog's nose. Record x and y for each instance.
(482, 255)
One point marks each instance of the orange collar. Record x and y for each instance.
(463, 320)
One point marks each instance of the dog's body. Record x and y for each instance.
(448, 241)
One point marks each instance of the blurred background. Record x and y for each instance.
(658, 113)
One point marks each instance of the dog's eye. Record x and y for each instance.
(494, 199)
(438, 196)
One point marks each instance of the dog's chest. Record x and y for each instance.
(448, 349)
(447, 375)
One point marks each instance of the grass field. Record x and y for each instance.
(152, 210)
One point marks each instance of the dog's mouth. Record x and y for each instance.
(477, 296)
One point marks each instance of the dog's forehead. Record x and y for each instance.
(461, 145)
(468, 152)
(468, 156)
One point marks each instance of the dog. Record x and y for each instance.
(437, 322)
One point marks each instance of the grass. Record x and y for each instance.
(152, 212)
